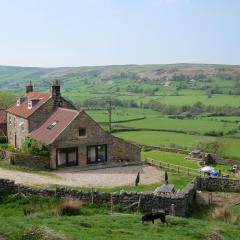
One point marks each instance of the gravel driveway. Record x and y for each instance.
(108, 177)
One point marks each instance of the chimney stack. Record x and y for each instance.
(29, 87)
(56, 93)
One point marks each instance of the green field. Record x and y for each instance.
(172, 158)
(187, 125)
(230, 146)
(96, 222)
(216, 100)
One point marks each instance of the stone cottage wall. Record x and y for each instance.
(13, 127)
(124, 151)
(117, 149)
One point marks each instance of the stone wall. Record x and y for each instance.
(166, 149)
(124, 151)
(39, 162)
(181, 200)
(219, 184)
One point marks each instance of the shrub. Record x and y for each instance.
(3, 139)
(214, 133)
(34, 147)
(214, 147)
(29, 209)
(40, 233)
(213, 236)
(70, 207)
(222, 213)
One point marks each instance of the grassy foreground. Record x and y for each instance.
(96, 222)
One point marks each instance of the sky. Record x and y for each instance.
(55, 33)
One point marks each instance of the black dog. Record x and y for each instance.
(155, 215)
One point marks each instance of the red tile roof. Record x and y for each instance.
(3, 116)
(22, 110)
(46, 133)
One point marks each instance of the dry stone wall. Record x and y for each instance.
(219, 184)
(146, 202)
(39, 162)
(179, 202)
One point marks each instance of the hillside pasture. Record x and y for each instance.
(188, 125)
(96, 222)
(230, 146)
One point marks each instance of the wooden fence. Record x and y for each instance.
(174, 168)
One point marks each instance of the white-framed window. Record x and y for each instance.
(21, 125)
(10, 121)
(30, 104)
(82, 132)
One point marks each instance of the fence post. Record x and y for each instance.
(178, 169)
(92, 196)
(139, 202)
(210, 198)
(19, 192)
(172, 209)
(111, 204)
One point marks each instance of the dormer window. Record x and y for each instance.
(32, 102)
(20, 100)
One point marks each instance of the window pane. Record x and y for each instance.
(61, 158)
(101, 153)
(82, 132)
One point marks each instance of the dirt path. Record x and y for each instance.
(108, 177)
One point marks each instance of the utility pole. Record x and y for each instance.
(110, 115)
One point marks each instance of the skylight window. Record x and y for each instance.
(52, 125)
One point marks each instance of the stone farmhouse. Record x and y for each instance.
(72, 137)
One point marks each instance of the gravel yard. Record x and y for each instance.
(107, 177)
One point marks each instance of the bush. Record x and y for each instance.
(3, 139)
(70, 207)
(213, 236)
(214, 133)
(214, 147)
(31, 146)
(40, 233)
(29, 209)
(221, 213)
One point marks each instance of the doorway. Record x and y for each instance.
(67, 157)
(96, 154)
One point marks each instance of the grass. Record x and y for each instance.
(96, 222)
(6, 99)
(172, 158)
(188, 125)
(4, 164)
(230, 146)
(216, 100)
(179, 159)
